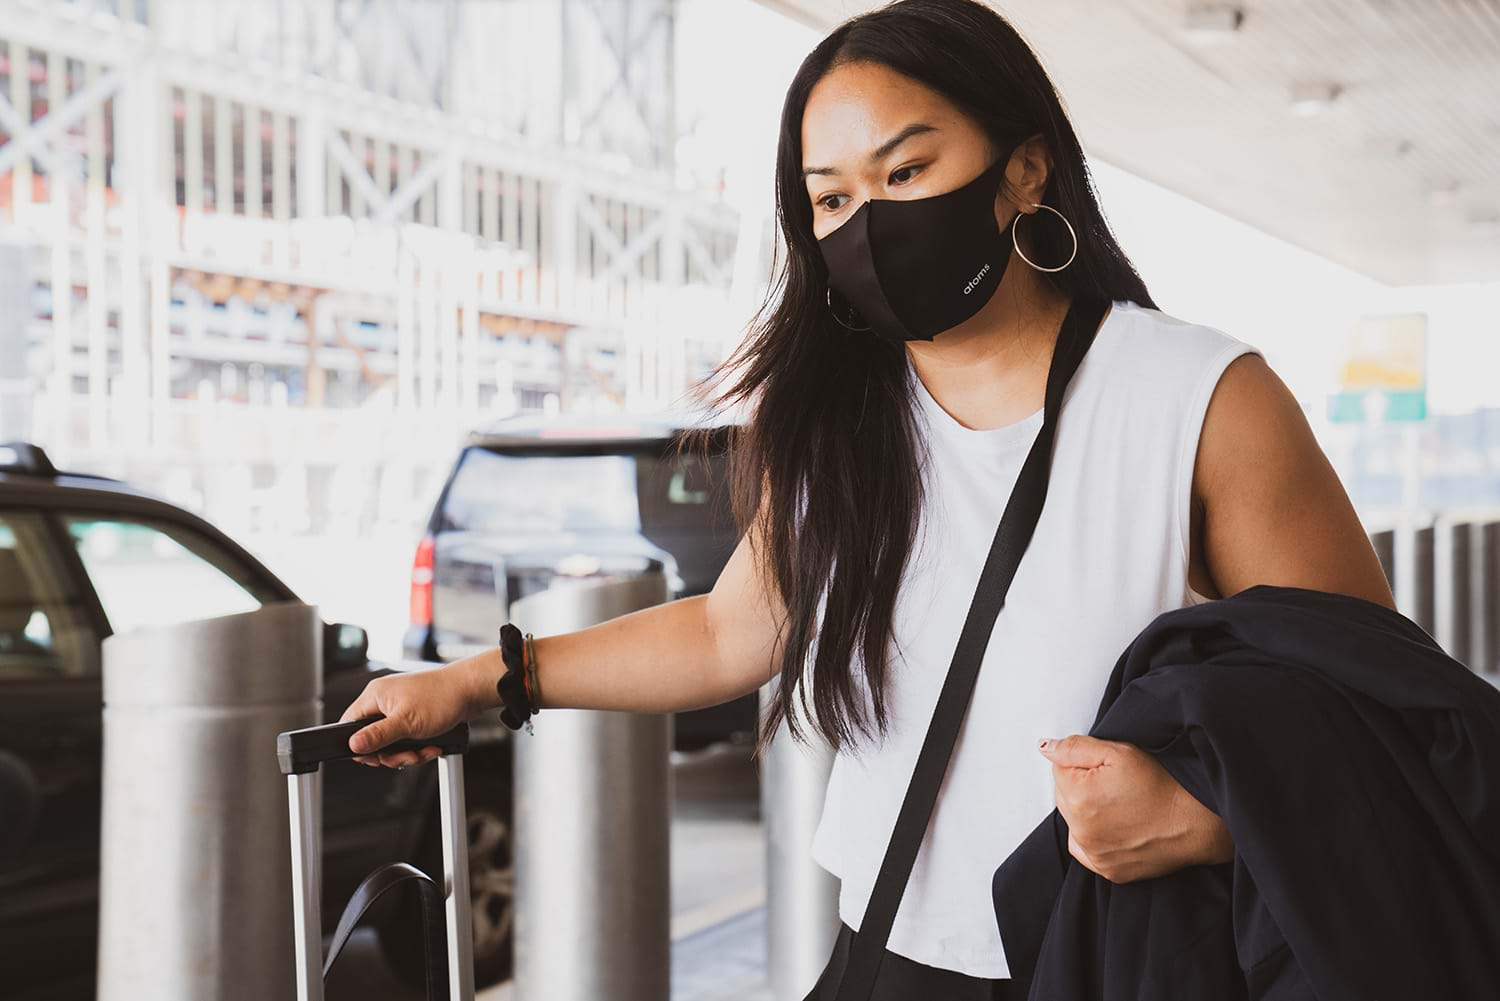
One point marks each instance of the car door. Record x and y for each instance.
(49, 754)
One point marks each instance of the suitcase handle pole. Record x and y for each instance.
(307, 914)
(300, 753)
(456, 894)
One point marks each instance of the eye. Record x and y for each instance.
(823, 202)
(900, 169)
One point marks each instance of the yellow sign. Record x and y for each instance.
(1385, 365)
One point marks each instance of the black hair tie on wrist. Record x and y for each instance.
(516, 708)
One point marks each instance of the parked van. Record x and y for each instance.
(535, 498)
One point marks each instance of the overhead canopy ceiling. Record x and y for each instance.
(1397, 176)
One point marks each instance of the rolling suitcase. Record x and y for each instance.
(300, 754)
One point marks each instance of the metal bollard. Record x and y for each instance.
(802, 898)
(195, 878)
(1420, 580)
(593, 806)
(1383, 540)
(1484, 585)
(1451, 586)
(1404, 548)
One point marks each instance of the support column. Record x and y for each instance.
(139, 403)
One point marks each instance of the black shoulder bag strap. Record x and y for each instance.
(1016, 527)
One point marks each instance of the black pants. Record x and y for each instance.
(902, 979)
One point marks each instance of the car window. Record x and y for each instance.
(500, 495)
(156, 574)
(45, 631)
(684, 493)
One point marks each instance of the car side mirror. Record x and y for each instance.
(344, 645)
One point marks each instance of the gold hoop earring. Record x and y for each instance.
(1017, 244)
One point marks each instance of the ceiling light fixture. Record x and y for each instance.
(1441, 193)
(1388, 146)
(1314, 98)
(1212, 24)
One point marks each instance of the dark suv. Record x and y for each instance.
(82, 557)
(534, 498)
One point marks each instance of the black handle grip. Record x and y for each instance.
(304, 750)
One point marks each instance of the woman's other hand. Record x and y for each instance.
(1128, 818)
(415, 705)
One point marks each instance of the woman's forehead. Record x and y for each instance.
(849, 119)
(872, 90)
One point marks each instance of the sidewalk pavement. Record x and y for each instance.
(722, 962)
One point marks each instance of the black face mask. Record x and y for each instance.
(916, 267)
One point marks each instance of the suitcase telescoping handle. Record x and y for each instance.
(300, 753)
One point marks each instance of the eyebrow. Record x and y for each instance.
(881, 151)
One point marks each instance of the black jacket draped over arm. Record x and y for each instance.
(1357, 768)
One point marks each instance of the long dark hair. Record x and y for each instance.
(828, 461)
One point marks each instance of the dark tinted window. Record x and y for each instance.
(499, 495)
(683, 493)
(45, 630)
(149, 573)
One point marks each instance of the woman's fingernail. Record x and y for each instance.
(1043, 744)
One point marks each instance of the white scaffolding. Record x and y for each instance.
(311, 232)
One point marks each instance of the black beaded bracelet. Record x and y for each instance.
(516, 708)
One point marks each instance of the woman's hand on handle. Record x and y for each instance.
(415, 705)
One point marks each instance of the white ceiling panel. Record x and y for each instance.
(1398, 177)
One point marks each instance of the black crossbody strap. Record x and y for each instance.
(1011, 539)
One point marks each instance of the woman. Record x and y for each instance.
(898, 376)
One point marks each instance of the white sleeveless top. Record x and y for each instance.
(1109, 554)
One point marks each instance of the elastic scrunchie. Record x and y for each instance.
(515, 696)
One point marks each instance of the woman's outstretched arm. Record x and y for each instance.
(686, 654)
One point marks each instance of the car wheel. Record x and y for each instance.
(487, 796)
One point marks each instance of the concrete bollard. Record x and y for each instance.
(593, 804)
(195, 879)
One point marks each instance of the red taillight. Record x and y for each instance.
(421, 583)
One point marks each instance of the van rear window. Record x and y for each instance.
(507, 494)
